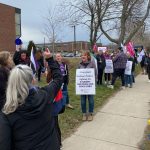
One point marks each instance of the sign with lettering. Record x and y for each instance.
(85, 81)
(128, 68)
(109, 66)
(103, 48)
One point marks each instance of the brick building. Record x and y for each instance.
(10, 27)
(68, 46)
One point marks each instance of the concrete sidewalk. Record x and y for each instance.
(119, 125)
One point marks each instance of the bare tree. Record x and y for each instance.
(118, 20)
(52, 26)
(83, 12)
(146, 41)
(123, 12)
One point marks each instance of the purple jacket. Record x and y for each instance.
(107, 56)
(120, 61)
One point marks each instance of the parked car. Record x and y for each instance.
(78, 55)
(69, 55)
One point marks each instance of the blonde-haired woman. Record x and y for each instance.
(26, 122)
(5, 66)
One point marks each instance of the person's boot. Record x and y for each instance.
(90, 117)
(110, 86)
(84, 117)
(69, 106)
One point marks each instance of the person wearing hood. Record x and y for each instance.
(129, 78)
(21, 57)
(6, 64)
(107, 76)
(119, 63)
(101, 63)
(87, 63)
(147, 62)
(26, 121)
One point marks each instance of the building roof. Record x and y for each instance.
(9, 6)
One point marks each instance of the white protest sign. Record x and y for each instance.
(109, 66)
(85, 81)
(128, 68)
(140, 55)
(139, 59)
(103, 48)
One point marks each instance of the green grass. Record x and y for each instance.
(71, 119)
(145, 143)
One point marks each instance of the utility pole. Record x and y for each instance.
(74, 27)
(44, 43)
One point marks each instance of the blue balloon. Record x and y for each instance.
(18, 41)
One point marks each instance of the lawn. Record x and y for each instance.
(71, 119)
(145, 143)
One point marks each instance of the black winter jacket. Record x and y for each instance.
(4, 73)
(17, 60)
(31, 126)
(101, 62)
(66, 77)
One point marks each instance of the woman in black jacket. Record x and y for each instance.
(21, 57)
(65, 73)
(5, 66)
(26, 122)
(101, 64)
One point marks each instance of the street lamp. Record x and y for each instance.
(44, 43)
(74, 29)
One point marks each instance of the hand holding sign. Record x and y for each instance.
(18, 43)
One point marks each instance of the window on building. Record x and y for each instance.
(18, 22)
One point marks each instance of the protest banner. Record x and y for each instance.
(85, 81)
(128, 68)
(109, 66)
(130, 48)
(103, 48)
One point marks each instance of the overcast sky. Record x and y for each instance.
(32, 21)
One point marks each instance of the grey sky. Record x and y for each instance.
(32, 13)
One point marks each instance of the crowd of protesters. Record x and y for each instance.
(29, 114)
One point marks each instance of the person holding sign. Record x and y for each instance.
(109, 67)
(141, 58)
(86, 83)
(119, 62)
(128, 71)
(101, 66)
(147, 62)
(21, 56)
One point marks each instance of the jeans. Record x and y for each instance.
(65, 90)
(128, 79)
(91, 103)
